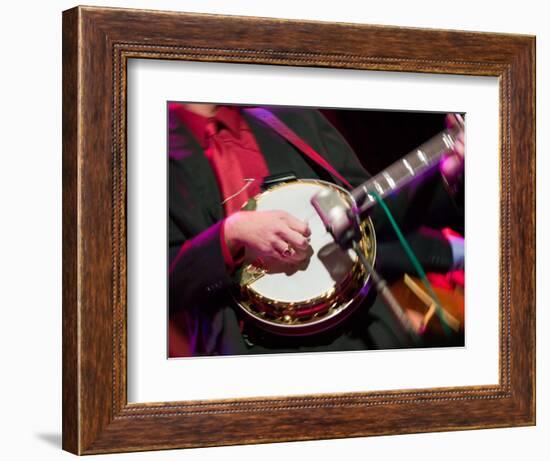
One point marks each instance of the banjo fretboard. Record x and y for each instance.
(415, 164)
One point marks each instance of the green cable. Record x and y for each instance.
(414, 261)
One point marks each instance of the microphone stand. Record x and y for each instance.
(351, 240)
(384, 291)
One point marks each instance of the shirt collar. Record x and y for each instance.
(228, 116)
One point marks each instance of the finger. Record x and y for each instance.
(451, 165)
(274, 265)
(452, 120)
(301, 255)
(297, 225)
(295, 239)
(283, 249)
(287, 253)
(459, 149)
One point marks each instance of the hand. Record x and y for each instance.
(274, 237)
(452, 165)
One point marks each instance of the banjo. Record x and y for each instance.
(327, 287)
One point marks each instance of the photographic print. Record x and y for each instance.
(298, 229)
(264, 225)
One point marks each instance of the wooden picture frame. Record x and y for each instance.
(97, 43)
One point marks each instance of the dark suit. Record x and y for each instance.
(198, 279)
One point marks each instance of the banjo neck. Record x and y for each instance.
(414, 165)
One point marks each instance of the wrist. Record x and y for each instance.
(231, 233)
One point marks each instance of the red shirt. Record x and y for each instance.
(237, 162)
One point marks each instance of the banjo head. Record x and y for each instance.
(324, 289)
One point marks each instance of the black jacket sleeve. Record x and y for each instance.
(197, 271)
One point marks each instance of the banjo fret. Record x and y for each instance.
(421, 160)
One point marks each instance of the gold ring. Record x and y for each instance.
(289, 251)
